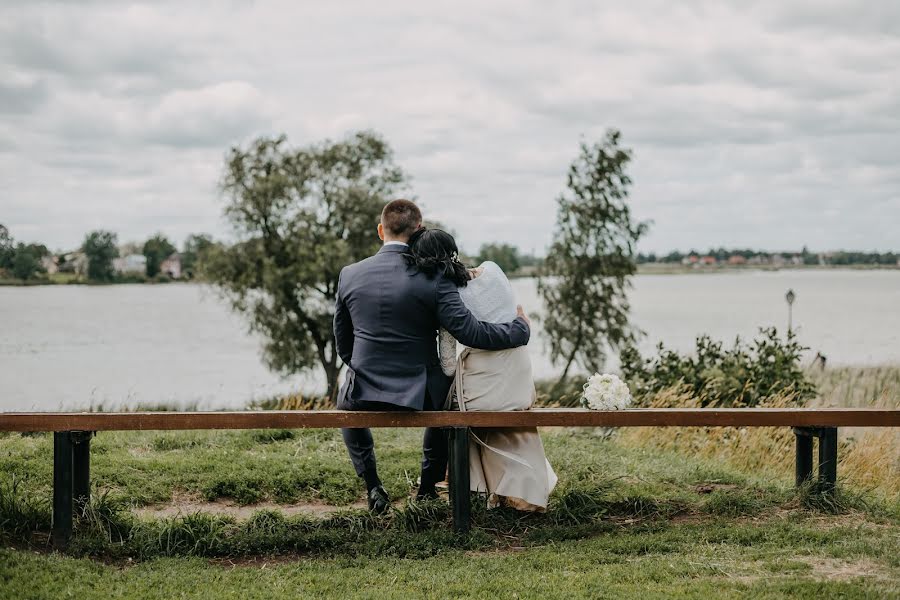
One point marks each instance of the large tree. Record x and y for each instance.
(588, 267)
(505, 255)
(7, 248)
(300, 215)
(195, 247)
(156, 250)
(26, 263)
(100, 248)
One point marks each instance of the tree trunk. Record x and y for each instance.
(569, 360)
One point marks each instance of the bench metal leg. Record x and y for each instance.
(62, 489)
(828, 443)
(81, 463)
(460, 498)
(804, 460)
(828, 447)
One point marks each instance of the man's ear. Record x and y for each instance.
(381, 232)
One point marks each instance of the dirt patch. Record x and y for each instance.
(709, 488)
(187, 506)
(840, 570)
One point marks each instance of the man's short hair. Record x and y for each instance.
(401, 218)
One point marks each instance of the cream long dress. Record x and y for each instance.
(509, 465)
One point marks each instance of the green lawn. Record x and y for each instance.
(624, 522)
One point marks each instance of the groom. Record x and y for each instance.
(385, 322)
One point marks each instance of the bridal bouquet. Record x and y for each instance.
(605, 392)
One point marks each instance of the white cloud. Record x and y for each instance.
(754, 124)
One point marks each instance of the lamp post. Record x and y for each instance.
(790, 296)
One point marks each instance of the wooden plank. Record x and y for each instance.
(272, 419)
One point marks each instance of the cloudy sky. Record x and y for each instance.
(764, 124)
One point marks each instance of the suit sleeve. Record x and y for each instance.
(462, 324)
(343, 325)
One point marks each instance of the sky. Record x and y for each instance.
(753, 124)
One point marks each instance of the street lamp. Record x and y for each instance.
(790, 296)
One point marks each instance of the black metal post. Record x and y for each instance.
(828, 443)
(460, 498)
(62, 489)
(81, 459)
(804, 461)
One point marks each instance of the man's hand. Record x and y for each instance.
(520, 312)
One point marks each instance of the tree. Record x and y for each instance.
(587, 270)
(300, 215)
(195, 246)
(7, 248)
(100, 249)
(505, 255)
(157, 249)
(26, 262)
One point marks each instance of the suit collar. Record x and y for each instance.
(394, 248)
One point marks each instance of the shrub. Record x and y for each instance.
(743, 375)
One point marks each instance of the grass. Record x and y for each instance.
(624, 521)
(869, 459)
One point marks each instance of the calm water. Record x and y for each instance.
(76, 346)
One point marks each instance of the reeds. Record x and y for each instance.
(869, 458)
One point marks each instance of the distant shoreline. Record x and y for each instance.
(676, 269)
(643, 269)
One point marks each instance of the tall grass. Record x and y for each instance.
(869, 458)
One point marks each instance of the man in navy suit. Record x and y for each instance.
(385, 323)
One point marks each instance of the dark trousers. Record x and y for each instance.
(361, 445)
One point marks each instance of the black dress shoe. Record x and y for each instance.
(379, 501)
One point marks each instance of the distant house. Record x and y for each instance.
(171, 266)
(737, 259)
(131, 263)
(74, 262)
(50, 264)
(708, 260)
(691, 259)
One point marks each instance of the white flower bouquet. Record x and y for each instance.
(605, 392)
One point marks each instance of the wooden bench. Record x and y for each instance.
(73, 432)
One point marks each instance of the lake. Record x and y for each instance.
(73, 347)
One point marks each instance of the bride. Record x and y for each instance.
(508, 465)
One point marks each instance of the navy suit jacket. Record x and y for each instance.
(386, 322)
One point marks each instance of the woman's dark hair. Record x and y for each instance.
(434, 252)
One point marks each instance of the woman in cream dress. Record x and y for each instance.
(508, 465)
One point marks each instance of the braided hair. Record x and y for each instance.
(434, 252)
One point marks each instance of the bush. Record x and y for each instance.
(743, 375)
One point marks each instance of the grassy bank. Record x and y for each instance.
(625, 520)
(275, 514)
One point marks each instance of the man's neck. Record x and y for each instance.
(395, 243)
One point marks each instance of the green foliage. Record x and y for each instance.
(21, 261)
(743, 375)
(7, 248)
(588, 268)
(505, 255)
(26, 262)
(300, 216)
(157, 249)
(195, 248)
(100, 247)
